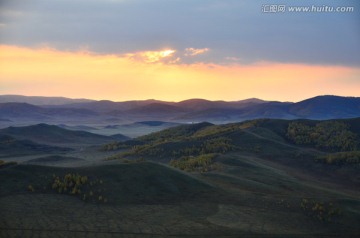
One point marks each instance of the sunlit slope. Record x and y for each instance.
(266, 137)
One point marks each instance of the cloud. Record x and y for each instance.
(167, 56)
(229, 28)
(153, 56)
(193, 51)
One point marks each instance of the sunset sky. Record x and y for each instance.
(178, 49)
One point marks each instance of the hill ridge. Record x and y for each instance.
(187, 111)
(52, 134)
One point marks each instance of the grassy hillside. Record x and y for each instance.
(247, 197)
(199, 147)
(134, 183)
(253, 178)
(54, 159)
(11, 147)
(259, 136)
(49, 134)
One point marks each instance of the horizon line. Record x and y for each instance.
(172, 101)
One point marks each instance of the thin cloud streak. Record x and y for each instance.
(194, 52)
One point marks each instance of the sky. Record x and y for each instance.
(179, 49)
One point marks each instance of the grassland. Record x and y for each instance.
(263, 184)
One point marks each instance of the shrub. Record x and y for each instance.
(201, 163)
(77, 185)
(319, 210)
(340, 158)
(31, 188)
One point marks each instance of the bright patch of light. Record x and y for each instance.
(152, 56)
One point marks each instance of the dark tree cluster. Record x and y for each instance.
(175, 149)
(328, 135)
(75, 185)
(201, 163)
(81, 186)
(70, 183)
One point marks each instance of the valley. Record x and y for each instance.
(258, 177)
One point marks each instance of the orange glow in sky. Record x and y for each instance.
(143, 75)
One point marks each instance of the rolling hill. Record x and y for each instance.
(193, 110)
(157, 109)
(295, 143)
(54, 160)
(136, 183)
(156, 123)
(49, 134)
(36, 100)
(327, 107)
(23, 111)
(252, 178)
(201, 104)
(248, 197)
(11, 147)
(110, 107)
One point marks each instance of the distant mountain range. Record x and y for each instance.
(43, 109)
(16, 110)
(37, 100)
